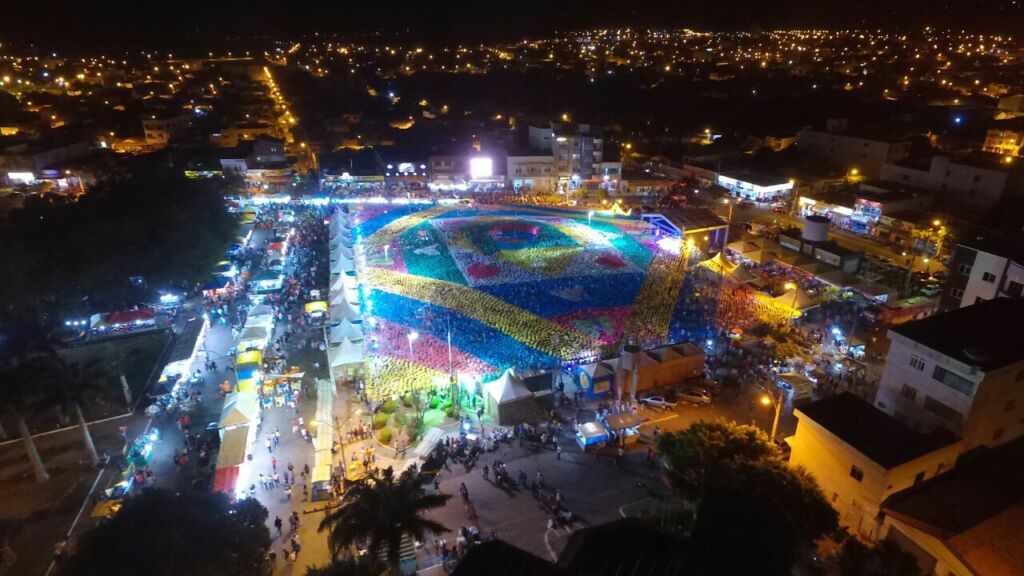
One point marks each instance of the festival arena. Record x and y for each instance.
(514, 287)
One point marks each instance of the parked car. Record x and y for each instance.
(657, 402)
(696, 396)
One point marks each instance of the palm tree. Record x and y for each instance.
(66, 384)
(381, 510)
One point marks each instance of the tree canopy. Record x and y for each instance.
(152, 223)
(165, 534)
(381, 509)
(723, 457)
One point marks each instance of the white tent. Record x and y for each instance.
(240, 408)
(345, 311)
(340, 251)
(345, 281)
(509, 401)
(260, 315)
(347, 353)
(798, 300)
(341, 297)
(346, 329)
(254, 338)
(342, 265)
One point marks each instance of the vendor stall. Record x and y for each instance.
(249, 370)
(240, 409)
(233, 460)
(508, 401)
(267, 282)
(316, 311)
(596, 379)
(260, 315)
(254, 338)
(625, 427)
(282, 389)
(591, 434)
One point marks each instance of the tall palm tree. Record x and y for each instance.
(381, 510)
(65, 387)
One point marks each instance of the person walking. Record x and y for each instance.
(464, 491)
(277, 524)
(273, 463)
(558, 451)
(486, 471)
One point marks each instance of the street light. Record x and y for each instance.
(411, 336)
(769, 400)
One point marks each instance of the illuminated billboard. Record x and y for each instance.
(481, 168)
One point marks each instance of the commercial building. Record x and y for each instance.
(848, 152)
(967, 521)
(577, 151)
(860, 456)
(756, 187)
(981, 271)
(1005, 138)
(962, 370)
(975, 182)
(531, 173)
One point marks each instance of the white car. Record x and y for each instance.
(657, 402)
(696, 396)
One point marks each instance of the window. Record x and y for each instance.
(939, 409)
(917, 362)
(1014, 289)
(964, 269)
(918, 478)
(988, 277)
(908, 392)
(957, 293)
(953, 380)
(940, 468)
(998, 434)
(856, 473)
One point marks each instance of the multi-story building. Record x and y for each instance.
(578, 154)
(160, 130)
(981, 271)
(962, 370)
(850, 152)
(974, 182)
(860, 456)
(532, 173)
(1005, 139)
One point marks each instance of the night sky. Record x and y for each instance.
(175, 23)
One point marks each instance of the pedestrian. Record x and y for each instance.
(558, 452)
(464, 491)
(276, 479)
(540, 478)
(277, 524)
(437, 484)
(486, 471)
(273, 462)
(266, 441)
(288, 492)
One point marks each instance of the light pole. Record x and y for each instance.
(796, 292)
(769, 400)
(590, 218)
(411, 336)
(728, 227)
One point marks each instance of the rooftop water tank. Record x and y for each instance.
(815, 229)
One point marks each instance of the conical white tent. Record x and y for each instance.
(345, 330)
(339, 298)
(799, 301)
(342, 265)
(341, 251)
(345, 311)
(509, 401)
(344, 282)
(347, 353)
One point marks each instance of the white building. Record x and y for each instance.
(160, 130)
(847, 151)
(532, 173)
(860, 456)
(577, 151)
(976, 182)
(962, 370)
(980, 271)
(754, 186)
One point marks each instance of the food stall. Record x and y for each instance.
(254, 338)
(267, 282)
(233, 460)
(282, 389)
(260, 315)
(249, 370)
(624, 427)
(591, 434)
(316, 311)
(137, 455)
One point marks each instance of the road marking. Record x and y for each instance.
(547, 544)
(622, 509)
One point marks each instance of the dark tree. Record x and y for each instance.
(160, 533)
(883, 559)
(361, 566)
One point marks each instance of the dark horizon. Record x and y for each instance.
(159, 24)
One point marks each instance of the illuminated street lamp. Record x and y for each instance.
(412, 336)
(769, 400)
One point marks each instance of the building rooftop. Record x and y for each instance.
(872, 432)
(977, 507)
(687, 219)
(755, 178)
(986, 334)
(626, 546)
